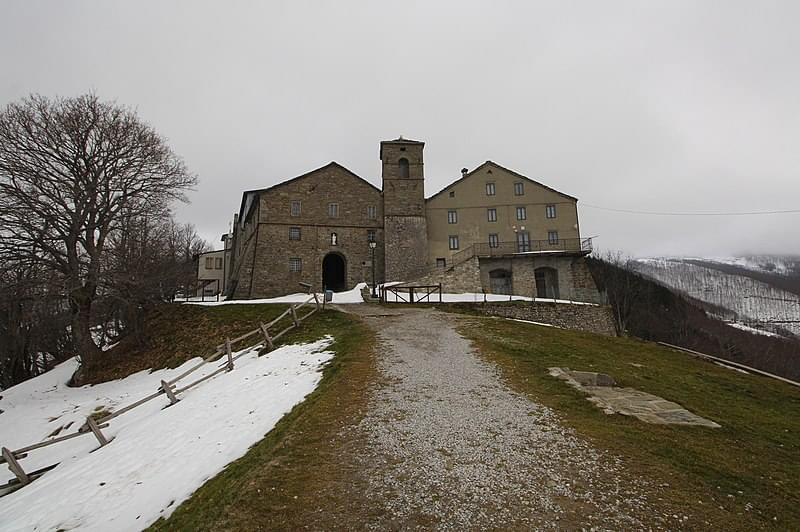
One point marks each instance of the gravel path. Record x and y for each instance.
(451, 447)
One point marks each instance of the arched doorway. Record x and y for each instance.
(546, 282)
(334, 275)
(500, 281)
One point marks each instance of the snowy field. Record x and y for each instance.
(158, 456)
(354, 296)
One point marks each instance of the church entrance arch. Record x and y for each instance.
(334, 272)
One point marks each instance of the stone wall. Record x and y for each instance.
(464, 277)
(597, 319)
(406, 246)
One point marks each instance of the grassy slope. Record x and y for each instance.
(179, 332)
(296, 475)
(755, 456)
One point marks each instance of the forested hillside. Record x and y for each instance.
(648, 309)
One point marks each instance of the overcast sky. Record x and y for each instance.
(655, 106)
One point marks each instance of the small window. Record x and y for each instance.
(441, 262)
(494, 241)
(294, 233)
(295, 208)
(550, 211)
(371, 235)
(209, 263)
(452, 193)
(372, 212)
(403, 164)
(218, 263)
(295, 265)
(522, 214)
(552, 237)
(453, 241)
(491, 214)
(334, 239)
(452, 217)
(490, 189)
(333, 210)
(519, 189)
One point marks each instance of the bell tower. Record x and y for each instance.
(405, 227)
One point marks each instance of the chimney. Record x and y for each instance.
(464, 172)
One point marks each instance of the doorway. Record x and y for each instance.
(334, 272)
(546, 282)
(500, 281)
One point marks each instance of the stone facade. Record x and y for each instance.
(286, 247)
(597, 319)
(316, 229)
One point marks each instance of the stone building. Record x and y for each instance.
(493, 230)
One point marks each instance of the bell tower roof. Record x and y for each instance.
(400, 140)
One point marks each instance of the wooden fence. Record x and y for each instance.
(411, 293)
(168, 388)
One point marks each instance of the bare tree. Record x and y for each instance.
(71, 170)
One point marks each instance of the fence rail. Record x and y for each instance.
(169, 389)
(407, 293)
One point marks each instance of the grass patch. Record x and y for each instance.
(742, 476)
(299, 474)
(178, 332)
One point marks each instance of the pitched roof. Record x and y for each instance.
(494, 164)
(332, 164)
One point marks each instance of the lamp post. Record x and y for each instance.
(372, 252)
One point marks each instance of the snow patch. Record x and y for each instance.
(348, 297)
(158, 456)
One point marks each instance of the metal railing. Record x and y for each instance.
(572, 245)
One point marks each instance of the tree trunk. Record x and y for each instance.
(82, 342)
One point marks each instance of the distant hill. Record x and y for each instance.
(675, 301)
(757, 292)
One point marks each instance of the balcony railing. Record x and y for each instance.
(562, 245)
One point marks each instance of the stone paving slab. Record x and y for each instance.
(630, 401)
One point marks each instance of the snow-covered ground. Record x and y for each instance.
(158, 456)
(350, 296)
(354, 296)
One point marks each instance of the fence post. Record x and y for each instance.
(170, 394)
(15, 468)
(267, 337)
(92, 424)
(230, 355)
(294, 316)
(440, 292)
(411, 295)
(316, 300)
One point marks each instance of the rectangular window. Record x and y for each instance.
(453, 241)
(452, 217)
(371, 235)
(372, 212)
(523, 242)
(294, 233)
(519, 189)
(552, 237)
(490, 189)
(209, 263)
(441, 262)
(452, 193)
(218, 263)
(494, 241)
(333, 210)
(550, 211)
(295, 265)
(295, 208)
(522, 214)
(491, 214)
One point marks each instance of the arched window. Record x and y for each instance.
(403, 164)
